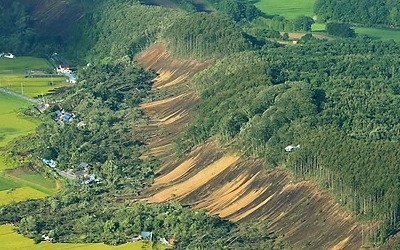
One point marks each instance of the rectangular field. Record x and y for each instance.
(290, 9)
(18, 65)
(31, 87)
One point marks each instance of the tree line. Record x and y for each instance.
(365, 12)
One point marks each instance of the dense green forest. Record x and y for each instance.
(337, 99)
(366, 12)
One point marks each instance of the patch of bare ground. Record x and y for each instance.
(170, 115)
(236, 188)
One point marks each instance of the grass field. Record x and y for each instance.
(290, 9)
(10, 240)
(6, 184)
(12, 124)
(12, 76)
(383, 34)
(18, 65)
(31, 87)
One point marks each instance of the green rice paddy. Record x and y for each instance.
(12, 76)
(290, 9)
(31, 87)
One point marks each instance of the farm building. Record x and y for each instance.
(63, 69)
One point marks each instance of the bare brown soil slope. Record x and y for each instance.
(229, 185)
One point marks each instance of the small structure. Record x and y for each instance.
(291, 147)
(136, 238)
(9, 55)
(146, 235)
(81, 124)
(163, 241)
(58, 113)
(63, 69)
(45, 237)
(71, 78)
(50, 163)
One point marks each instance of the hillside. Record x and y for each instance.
(232, 186)
(181, 116)
(34, 27)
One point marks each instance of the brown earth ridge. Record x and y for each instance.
(229, 185)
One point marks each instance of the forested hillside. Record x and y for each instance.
(366, 12)
(38, 27)
(335, 102)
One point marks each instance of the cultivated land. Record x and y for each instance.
(290, 9)
(12, 76)
(227, 184)
(13, 124)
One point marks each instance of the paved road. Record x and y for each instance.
(29, 99)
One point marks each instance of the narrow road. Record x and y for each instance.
(29, 99)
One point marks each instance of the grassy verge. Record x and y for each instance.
(290, 9)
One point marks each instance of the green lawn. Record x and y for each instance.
(18, 65)
(383, 34)
(290, 9)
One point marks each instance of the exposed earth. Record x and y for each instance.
(229, 185)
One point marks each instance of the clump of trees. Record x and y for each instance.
(340, 29)
(366, 12)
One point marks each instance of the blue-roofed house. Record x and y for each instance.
(67, 117)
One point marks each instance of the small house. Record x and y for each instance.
(63, 69)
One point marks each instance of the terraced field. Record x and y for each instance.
(232, 186)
